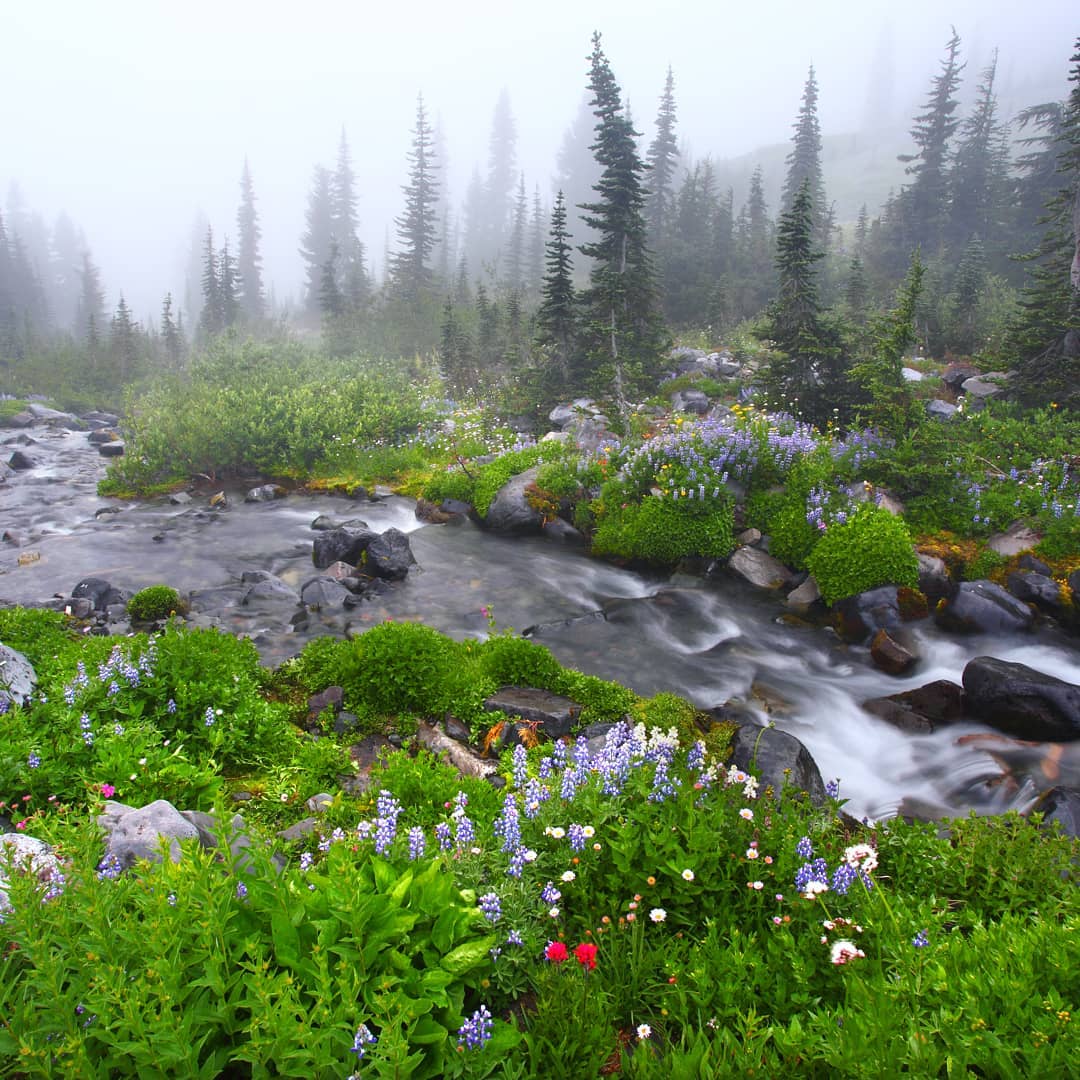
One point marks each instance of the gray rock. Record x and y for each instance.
(54, 417)
(923, 709)
(131, 835)
(911, 375)
(17, 676)
(1061, 806)
(1037, 589)
(758, 568)
(180, 498)
(892, 656)
(265, 493)
(20, 461)
(324, 594)
(983, 607)
(270, 592)
(341, 545)
(1030, 562)
(510, 512)
(690, 401)
(1022, 701)
(1016, 538)
(805, 596)
(27, 855)
(562, 415)
(101, 435)
(389, 555)
(112, 449)
(99, 592)
(748, 538)
(862, 616)
(981, 386)
(554, 714)
(778, 760)
(934, 580)
(941, 410)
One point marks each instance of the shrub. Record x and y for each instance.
(154, 602)
(515, 661)
(983, 565)
(403, 667)
(871, 548)
(665, 530)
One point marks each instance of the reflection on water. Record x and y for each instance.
(710, 641)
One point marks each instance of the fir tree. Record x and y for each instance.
(537, 235)
(171, 335)
(804, 164)
(556, 318)
(344, 228)
(318, 235)
(410, 271)
(624, 335)
(926, 200)
(1046, 334)
(331, 301)
(212, 318)
(91, 318)
(124, 341)
(515, 249)
(663, 159)
(498, 214)
(754, 252)
(229, 286)
(249, 259)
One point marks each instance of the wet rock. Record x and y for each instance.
(778, 760)
(324, 594)
(101, 436)
(1060, 806)
(389, 555)
(133, 834)
(11, 538)
(805, 596)
(1037, 589)
(934, 579)
(20, 461)
(22, 419)
(341, 545)
(265, 493)
(269, 592)
(1022, 701)
(111, 449)
(553, 714)
(564, 532)
(17, 676)
(431, 514)
(1018, 537)
(54, 417)
(859, 617)
(985, 608)
(890, 655)
(179, 498)
(99, 592)
(695, 402)
(510, 511)
(759, 568)
(1036, 566)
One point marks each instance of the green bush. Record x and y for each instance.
(154, 602)
(983, 565)
(495, 474)
(404, 667)
(871, 548)
(665, 530)
(516, 661)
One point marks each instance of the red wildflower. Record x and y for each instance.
(586, 955)
(556, 952)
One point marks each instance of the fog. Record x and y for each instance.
(134, 116)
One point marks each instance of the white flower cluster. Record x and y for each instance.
(656, 738)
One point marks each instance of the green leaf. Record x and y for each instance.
(465, 957)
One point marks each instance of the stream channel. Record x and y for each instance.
(712, 641)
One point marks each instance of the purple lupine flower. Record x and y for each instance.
(477, 1030)
(363, 1039)
(549, 894)
(417, 843)
(109, 868)
(920, 940)
(804, 849)
(442, 834)
(576, 835)
(520, 765)
(491, 906)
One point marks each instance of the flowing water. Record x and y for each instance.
(711, 641)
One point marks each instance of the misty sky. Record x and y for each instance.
(133, 115)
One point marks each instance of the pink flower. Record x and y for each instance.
(586, 955)
(556, 952)
(843, 951)
(108, 790)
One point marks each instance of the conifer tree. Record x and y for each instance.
(537, 236)
(91, 319)
(925, 202)
(171, 335)
(331, 301)
(623, 332)
(123, 341)
(804, 164)
(498, 207)
(229, 285)
(344, 228)
(1046, 334)
(249, 258)
(754, 252)
(410, 272)
(515, 250)
(318, 234)
(556, 318)
(663, 159)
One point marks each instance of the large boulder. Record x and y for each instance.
(510, 511)
(759, 568)
(981, 607)
(553, 714)
(690, 401)
(132, 834)
(269, 592)
(1021, 701)
(100, 593)
(940, 410)
(861, 616)
(389, 555)
(1038, 589)
(934, 579)
(54, 417)
(892, 656)
(778, 760)
(266, 493)
(341, 545)
(325, 594)
(923, 709)
(17, 678)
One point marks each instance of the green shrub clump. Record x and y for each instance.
(516, 661)
(664, 530)
(154, 602)
(873, 547)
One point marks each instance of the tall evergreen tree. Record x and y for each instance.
(91, 318)
(172, 336)
(754, 276)
(577, 172)
(804, 164)
(556, 318)
(663, 159)
(318, 234)
(229, 286)
(212, 317)
(331, 301)
(249, 258)
(499, 189)
(1046, 334)
(344, 228)
(623, 332)
(926, 200)
(537, 234)
(124, 341)
(516, 254)
(410, 271)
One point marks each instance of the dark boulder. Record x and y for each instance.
(1060, 805)
(341, 545)
(859, 617)
(892, 656)
(510, 511)
(1038, 589)
(102, 435)
(778, 760)
(112, 449)
(20, 461)
(99, 592)
(325, 594)
(553, 714)
(934, 580)
(389, 555)
(1021, 701)
(1037, 566)
(983, 607)
(923, 709)
(270, 592)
